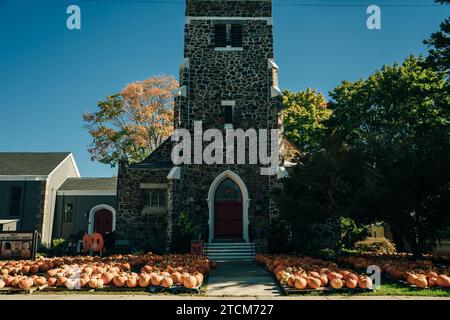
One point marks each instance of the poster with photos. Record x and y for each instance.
(18, 245)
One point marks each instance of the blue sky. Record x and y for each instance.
(50, 76)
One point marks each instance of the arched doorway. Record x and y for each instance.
(228, 215)
(230, 208)
(102, 219)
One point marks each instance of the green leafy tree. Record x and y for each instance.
(304, 113)
(439, 45)
(398, 120)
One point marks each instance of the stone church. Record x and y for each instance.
(228, 79)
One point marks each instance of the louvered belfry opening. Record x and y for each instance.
(236, 35)
(220, 35)
(228, 35)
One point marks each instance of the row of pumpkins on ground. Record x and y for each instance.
(96, 272)
(421, 273)
(303, 272)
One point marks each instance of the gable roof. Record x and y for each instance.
(30, 163)
(89, 184)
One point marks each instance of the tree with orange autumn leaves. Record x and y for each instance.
(131, 124)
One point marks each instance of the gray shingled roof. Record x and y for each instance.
(30, 163)
(109, 184)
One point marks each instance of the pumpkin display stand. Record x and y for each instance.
(12, 290)
(325, 290)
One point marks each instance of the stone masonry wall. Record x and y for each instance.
(229, 8)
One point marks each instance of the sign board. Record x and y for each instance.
(18, 245)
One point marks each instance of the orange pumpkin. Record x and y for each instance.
(25, 283)
(336, 283)
(365, 282)
(131, 282)
(323, 280)
(40, 281)
(190, 282)
(167, 282)
(432, 282)
(443, 281)
(313, 283)
(156, 280)
(107, 277)
(351, 283)
(421, 282)
(176, 277)
(51, 282)
(199, 278)
(119, 281)
(144, 280)
(300, 283)
(95, 283)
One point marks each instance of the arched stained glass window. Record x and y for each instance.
(228, 190)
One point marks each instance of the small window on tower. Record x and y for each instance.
(220, 35)
(228, 114)
(236, 35)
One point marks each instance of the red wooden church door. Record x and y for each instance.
(228, 214)
(103, 221)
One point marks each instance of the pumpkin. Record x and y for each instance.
(107, 277)
(156, 280)
(119, 281)
(300, 283)
(432, 282)
(323, 280)
(421, 282)
(313, 283)
(190, 282)
(199, 278)
(443, 281)
(291, 281)
(25, 283)
(42, 268)
(84, 280)
(2, 284)
(95, 283)
(336, 283)
(131, 282)
(51, 273)
(167, 282)
(61, 281)
(147, 269)
(432, 274)
(39, 281)
(351, 283)
(144, 280)
(411, 278)
(334, 275)
(365, 282)
(26, 269)
(176, 277)
(51, 282)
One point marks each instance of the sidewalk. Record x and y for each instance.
(243, 278)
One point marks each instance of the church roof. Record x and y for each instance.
(91, 184)
(30, 163)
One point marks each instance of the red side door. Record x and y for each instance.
(228, 222)
(103, 221)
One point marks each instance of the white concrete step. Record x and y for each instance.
(222, 251)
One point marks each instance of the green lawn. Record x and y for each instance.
(391, 288)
